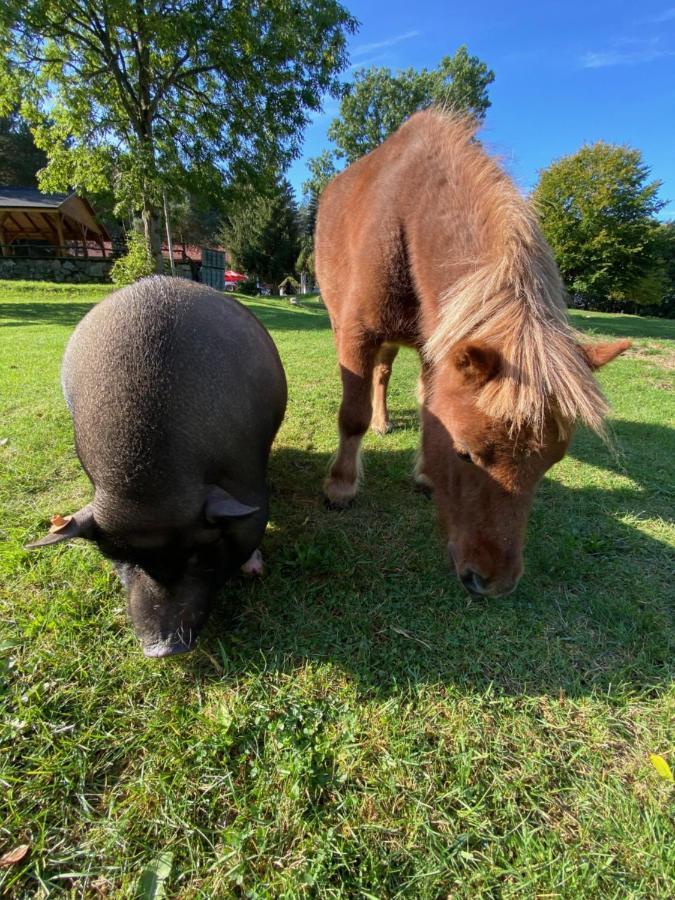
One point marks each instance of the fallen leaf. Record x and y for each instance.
(14, 856)
(661, 766)
(59, 522)
(151, 884)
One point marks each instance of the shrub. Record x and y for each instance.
(249, 287)
(135, 264)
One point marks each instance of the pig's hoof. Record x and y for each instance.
(339, 494)
(254, 565)
(160, 649)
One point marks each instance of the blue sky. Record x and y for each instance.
(567, 73)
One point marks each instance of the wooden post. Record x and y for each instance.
(48, 217)
(3, 241)
(168, 233)
(59, 231)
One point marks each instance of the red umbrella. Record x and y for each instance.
(235, 276)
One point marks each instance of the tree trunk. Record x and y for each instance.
(151, 224)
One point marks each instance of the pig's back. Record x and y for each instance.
(171, 383)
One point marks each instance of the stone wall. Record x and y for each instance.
(67, 269)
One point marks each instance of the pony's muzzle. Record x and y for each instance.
(484, 587)
(478, 584)
(473, 582)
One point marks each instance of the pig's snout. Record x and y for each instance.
(167, 618)
(160, 649)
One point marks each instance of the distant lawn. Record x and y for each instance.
(354, 725)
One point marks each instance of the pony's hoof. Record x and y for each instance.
(338, 494)
(332, 506)
(381, 428)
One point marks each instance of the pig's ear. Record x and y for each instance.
(219, 506)
(64, 528)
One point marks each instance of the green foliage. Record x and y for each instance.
(152, 95)
(195, 219)
(663, 271)
(305, 260)
(379, 100)
(20, 159)
(135, 264)
(307, 218)
(248, 288)
(321, 169)
(262, 232)
(597, 208)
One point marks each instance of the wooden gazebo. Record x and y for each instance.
(33, 224)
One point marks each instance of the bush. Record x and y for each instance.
(249, 288)
(135, 264)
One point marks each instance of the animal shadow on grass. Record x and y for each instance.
(280, 317)
(624, 326)
(16, 314)
(369, 588)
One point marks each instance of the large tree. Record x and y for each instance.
(321, 169)
(20, 159)
(262, 233)
(194, 219)
(152, 94)
(379, 100)
(657, 289)
(597, 209)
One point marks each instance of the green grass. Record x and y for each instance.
(354, 725)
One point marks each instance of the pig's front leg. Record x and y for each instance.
(254, 565)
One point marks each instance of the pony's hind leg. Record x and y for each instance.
(381, 374)
(357, 359)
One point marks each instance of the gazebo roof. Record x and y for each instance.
(30, 215)
(16, 197)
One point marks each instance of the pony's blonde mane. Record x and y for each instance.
(510, 295)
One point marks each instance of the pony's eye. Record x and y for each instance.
(465, 456)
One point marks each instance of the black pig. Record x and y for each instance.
(176, 394)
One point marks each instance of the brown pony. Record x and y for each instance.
(441, 253)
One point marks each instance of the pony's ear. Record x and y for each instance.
(598, 355)
(220, 506)
(478, 363)
(64, 528)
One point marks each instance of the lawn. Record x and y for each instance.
(354, 725)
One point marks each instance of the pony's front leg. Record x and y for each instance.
(357, 359)
(381, 375)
